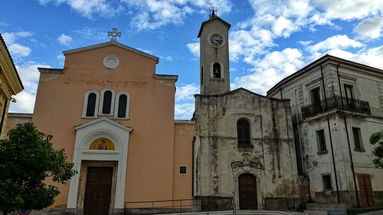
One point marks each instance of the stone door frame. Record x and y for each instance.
(87, 133)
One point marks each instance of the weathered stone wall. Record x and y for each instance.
(220, 161)
(367, 86)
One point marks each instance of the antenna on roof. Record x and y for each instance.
(213, 11)
(114, 34)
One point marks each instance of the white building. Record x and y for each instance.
(336, 105)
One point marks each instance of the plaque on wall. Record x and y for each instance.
(111, 62)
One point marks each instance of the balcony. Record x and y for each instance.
(337, 103)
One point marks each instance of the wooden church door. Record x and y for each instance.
(98, 190)
(247, 191)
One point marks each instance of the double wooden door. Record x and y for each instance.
(98, 190)
(247, 192)
(365, 190)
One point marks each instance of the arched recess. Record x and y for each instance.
(86, 135)
(122, 106)
(217, 70)
(244, 132)
(91, 101)
(247, 190)
(107, 101)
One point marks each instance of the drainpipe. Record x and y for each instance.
(280, 91)
(333, 161)
(340, 86)
(324, 91)
(193, 159)
(299, 133)
(348, 142)
(352, 163)
(3, 115)
(330, 136)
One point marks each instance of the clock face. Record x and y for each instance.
(216, 40)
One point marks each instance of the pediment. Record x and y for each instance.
(112, 43)
(103, 122)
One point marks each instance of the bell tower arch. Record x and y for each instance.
(214, 56)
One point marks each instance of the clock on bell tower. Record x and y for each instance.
(214, 56)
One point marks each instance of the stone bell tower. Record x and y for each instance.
(214, 56)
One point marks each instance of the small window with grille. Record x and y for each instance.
(183, 170)
(327, 185)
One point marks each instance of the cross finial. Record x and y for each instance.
(114, 34)
(213, 11)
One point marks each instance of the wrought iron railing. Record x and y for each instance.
(336, 103)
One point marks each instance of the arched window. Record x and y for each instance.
(216, 70)
(122, 102)
(243, 132)
(107, 102)
(122, 105)
(90, 104)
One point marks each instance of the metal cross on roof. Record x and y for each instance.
(213, 11)
(114, 34)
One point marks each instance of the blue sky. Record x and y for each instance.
(269, 39)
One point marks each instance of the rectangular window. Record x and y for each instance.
(321, 138)
(349, 91)
(327, 182)
(182, 170)
(358, 144)
(315, 96)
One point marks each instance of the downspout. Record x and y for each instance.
(280, 91)
(340, 86)
(348, 142)
(193, 159)
(330, 136)
(352, 163)
(333, 161)
(3, 115)
(324, 91)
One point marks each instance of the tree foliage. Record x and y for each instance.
(27, 162)
(377, 138)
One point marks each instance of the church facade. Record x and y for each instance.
(114, 116)
(244, 146)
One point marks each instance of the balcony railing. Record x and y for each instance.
(337, 103)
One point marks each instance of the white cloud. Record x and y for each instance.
(370, 28)
(372, 57)
(88, 8)
(335, 42)
(25, 103)
(15, 48)
(328, 10)
(249, 44)
(186, 92)
(184, 106)
(305, 43)
(270, 69)
(194, 48)
(184, 110)
(64, 39)
(19, 50)
(147, 14)
(29, 76)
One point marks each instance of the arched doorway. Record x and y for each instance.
(247, 191)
